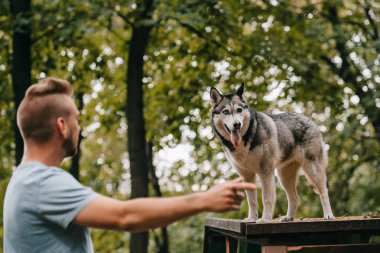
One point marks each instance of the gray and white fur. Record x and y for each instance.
(256, 143)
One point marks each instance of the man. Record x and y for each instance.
(47, 210)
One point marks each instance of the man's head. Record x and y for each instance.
(48, 111)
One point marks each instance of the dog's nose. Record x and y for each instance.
(237, 125)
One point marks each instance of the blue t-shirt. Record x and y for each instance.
(40, 204)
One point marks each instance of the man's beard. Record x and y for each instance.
(69, 146)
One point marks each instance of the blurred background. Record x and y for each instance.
(142, 71)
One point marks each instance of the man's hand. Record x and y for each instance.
(226, 196)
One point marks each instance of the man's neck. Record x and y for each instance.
(46, 154)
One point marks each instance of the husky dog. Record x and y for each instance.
(256, 143)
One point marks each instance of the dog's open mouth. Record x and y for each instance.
(235, 136)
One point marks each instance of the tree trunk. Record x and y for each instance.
(163, 245)
(21, 62)
(74, 168)
(135, 120)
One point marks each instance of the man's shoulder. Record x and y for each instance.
(40, 168)
(36, 173)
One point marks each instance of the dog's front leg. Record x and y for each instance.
(253, 213)
(253, 209)
(268, 195)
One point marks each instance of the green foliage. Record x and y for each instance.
(187, 235)
(6, 108)
(317, 58)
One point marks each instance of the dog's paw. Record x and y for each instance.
(286, 218)
(329, 216)
(262, 220)
(250, 219)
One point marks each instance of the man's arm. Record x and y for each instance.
(147, 213)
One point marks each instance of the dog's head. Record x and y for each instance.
(230, 115)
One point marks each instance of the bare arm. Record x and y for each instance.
(146, 213)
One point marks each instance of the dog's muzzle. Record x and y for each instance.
(237, 126)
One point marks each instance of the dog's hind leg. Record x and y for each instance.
(288, 176)
(253, 212)
(316, 174)
(269, 194)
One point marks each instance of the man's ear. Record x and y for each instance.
(61, 125)
(215, 96)
(240, 91)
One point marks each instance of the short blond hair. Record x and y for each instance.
(41, 106)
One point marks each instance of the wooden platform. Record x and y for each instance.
(345, 234)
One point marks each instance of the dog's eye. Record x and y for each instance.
(225, 112)
(239, 110)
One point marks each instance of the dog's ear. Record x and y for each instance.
(240, 90)
(215, 96)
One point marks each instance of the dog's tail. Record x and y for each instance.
(315, 169)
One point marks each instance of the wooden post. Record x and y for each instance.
(231, 245)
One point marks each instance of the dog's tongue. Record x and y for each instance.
(235, 138)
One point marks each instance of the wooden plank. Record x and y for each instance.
(298, 226)
(307, 238)
(237, 226)
(274, 249)
(226, 235)
(348, 248)
(313, 226)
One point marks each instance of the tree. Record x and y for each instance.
(21, 61)
(135, 116)
(75, 165)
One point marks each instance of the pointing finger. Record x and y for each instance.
(245, 186)
(237, 180)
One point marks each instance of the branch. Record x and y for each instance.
(205, 37)
(117, 35)
(125, 18)
(367, 9)
(360, 25)
(330, 63)
(52, 29)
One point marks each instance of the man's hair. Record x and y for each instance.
(40, 108)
